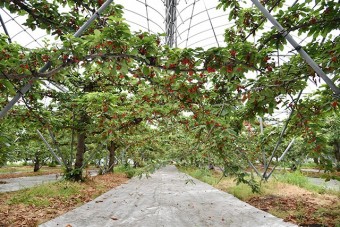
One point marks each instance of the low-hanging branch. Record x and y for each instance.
(70, 62)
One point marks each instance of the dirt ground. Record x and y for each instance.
(29, 215)
(300, 206)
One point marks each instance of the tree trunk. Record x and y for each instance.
(81, 131)
(36, 163)
(79, 156)
(112, 156)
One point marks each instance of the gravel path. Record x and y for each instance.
(168, 198)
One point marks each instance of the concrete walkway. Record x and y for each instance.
(331, 184)
(16, 184)
(19, 183)
(168, 198)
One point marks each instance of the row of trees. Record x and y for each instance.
(114, 93)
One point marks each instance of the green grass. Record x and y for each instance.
(41, 195)
(241, 191)
(12, 169)
(201, 174)
(25, 169)
(308, 165)
(298, 179)
(244, 192)
(128, 170)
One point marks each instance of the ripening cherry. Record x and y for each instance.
(210, 69)
(233, 53)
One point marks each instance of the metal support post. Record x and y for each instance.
(171, 22)
(263, 151)
(298, 48)
(5, 29)
(28, 86)
(58, 150)
(50, 148)
(287, 149)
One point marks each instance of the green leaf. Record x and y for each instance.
(97, 33)
(9, 86)
(146, 70)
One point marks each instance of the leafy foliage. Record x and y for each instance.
(155, 103)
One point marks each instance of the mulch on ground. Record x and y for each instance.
(303, 210)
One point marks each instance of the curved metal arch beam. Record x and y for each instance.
(145, 18)
(201, 40)
(18, 33)
(23, 29)
(201, 22)
(132, 22)
(152, 8)
(183, 21)
(185, 8)
(199, 33)
(203, 11)
(36, 40)
(11, 18)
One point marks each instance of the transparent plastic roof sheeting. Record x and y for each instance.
(197, 24)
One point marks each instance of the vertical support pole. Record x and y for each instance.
(28, 86)
(171, 22)
(298, 48)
